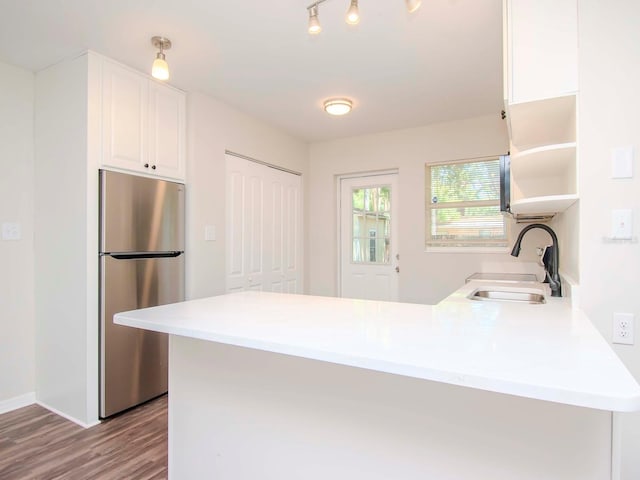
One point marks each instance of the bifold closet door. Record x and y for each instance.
(263, 228)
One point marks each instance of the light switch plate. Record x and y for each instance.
(209, 233)
(11, 231)
(621, 224)
(622, 162)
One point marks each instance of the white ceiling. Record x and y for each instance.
(402, 70)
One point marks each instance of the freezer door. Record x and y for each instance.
(134, 362)
(140, 214)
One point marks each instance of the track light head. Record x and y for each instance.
(353, 14)
(314, 23)
(413, 5)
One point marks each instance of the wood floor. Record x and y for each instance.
(37, 444)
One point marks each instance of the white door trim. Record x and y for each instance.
(339, 178)
(261, 162)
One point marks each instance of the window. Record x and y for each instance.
(463, 204)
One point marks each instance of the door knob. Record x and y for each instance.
(397, 269)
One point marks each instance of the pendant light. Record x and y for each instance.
(314, 23)
(353, 14)
(160, 68)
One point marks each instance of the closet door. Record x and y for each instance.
(263, 228)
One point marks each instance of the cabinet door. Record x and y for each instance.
(166, 131)
(542, 49)
(125, 97)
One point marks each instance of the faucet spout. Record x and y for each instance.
(552, 269)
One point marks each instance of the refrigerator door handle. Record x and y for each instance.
(134, 255)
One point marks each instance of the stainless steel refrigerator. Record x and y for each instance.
(141, 265)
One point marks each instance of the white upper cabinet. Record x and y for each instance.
(166, 130)
(541, 84)
(541, 49)
(143, 123)
(124, 117)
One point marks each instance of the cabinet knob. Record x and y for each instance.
(146, 165)
(153, 167)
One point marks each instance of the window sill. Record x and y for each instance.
(478, 249)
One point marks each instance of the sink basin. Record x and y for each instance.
(493, 295)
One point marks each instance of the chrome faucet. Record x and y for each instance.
(551, 269)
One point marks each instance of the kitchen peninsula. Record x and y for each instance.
(277, 386)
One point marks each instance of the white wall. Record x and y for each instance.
(566, 226)
(609, 106)
(214, 127)
(424, 277)
(17, 356)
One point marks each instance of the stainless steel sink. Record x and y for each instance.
(494, 295)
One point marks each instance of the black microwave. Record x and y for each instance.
(505, 183)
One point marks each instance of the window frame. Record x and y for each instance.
(467, 246)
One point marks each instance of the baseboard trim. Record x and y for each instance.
(17, 402)
(68, 417)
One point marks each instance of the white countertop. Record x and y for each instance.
(548, 352)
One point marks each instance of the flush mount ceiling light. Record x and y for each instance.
(353, 13)
(160, 68)
(338, 106)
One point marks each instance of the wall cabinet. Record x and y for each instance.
(541, 83)
(541, 46)
(143, 124)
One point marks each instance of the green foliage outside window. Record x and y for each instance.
(463, 204)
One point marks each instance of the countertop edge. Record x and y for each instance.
(585, 399)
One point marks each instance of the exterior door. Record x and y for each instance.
(369, 258)
(263, 228)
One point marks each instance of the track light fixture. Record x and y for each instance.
(160, 68)
(353, 13)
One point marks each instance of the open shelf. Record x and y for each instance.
(539, 205)
(548, 160)
(549, 121)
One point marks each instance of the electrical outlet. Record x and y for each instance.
(623, 328)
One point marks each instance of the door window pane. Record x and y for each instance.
(371, 225)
